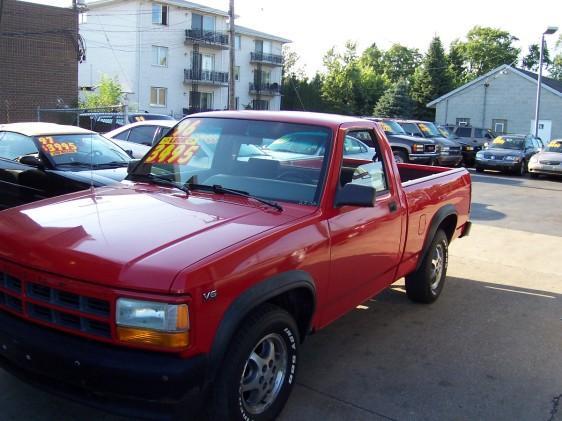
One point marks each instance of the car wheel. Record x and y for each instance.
(522, 169)
(479, 169)
(259, 369)
(425, 284)
(534, 175)
(400, 157)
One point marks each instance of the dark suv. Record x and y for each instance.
(407, 148)
(105, 122)
(472, 140)
(449, 150)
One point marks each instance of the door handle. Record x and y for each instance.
(392, 206)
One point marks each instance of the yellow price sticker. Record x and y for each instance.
(50, 146)
(499, 140)
(386, 127)
(554, 144)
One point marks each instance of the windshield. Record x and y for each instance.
(81, 149)
(504, 142)
(304, 143)
(225, 152)
(554, 146)
(429, 130)
(392, 127)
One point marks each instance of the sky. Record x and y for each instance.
(315, 26)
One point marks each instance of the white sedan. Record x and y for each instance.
(140, 136)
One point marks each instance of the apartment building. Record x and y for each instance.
(172, 56)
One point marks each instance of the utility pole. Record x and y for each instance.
(549, 31)
(231, 81)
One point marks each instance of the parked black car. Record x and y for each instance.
(105, 122)
(449, 150)
(407, 148)
(508, 153)
(40, 160)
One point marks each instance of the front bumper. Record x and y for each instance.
(135, 383)
(539, 168)
(498, 165)
(449, 160)
(423, 158)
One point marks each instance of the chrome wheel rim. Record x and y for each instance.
(437, 265)
(264, 373)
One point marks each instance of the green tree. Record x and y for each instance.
(400, 62)
(396, 102)
(431, 80)
(456, 64)
(485, 49)
(556, 66)
(373, 57)
(108, 93)
(531, 60)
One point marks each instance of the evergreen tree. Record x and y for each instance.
(533, 57)
(456, 65)
(431, 80)
(396, 102)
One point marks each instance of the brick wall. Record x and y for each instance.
(39, 64)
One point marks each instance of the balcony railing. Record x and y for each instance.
(206, 77)
(274, 59)
(265, 88)
(211, 38)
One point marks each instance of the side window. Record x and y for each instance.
(372, 174)
(103, 124)
(352, 146)
(15, 145)
(529, 142)
(123, 135)
(142, 134)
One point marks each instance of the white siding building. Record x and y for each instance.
(172, 56)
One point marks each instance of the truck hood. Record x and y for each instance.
(133, 236)
(413, 139)
(549, 156)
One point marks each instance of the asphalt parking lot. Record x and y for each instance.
(490, 348)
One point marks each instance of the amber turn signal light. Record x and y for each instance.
(150, 337)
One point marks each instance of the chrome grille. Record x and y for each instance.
(550, 162)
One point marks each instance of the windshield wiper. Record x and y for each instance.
(161, 181)
(112, 164)
(218, 189)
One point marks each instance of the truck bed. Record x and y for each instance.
(412, 173)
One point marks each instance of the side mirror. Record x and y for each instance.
(133, 163)
(32, 161)
(129, 152)
(356, 195)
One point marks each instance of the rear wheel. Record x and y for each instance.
(479, 169)
(400, 157)
(425, 284)
(259, 369)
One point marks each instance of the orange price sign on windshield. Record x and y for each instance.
(54, 148)
(178, 148)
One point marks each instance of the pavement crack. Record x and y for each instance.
(555, 406)
(362, 408)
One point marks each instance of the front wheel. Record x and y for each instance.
(522, 169)
(425, 284)
(400, 157)
(259, 369)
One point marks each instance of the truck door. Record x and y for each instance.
(365, 240)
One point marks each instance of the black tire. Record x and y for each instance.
(425, 285)
(534, 175)
(400, 156)
(521, 170)
(479, 169)
(267, 328)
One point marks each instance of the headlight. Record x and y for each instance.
(534, 159)
(445, 148)
(513, 158)
(152, 323)
(479, 154)
(417, 148)
(468, 148)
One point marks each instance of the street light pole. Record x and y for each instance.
(549, 31)
(232, 59)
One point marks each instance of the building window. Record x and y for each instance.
(237, 42)
(159, 56)
(203, 23)
(260, 104)
(158, 96)
(463, 121)
(159, 14)
(237, 73)
(499, 126)
(201, 100)
(83, 18)
(262, 77)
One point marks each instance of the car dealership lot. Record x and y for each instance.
(490, 348)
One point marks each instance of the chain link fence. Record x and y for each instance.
(87, 118)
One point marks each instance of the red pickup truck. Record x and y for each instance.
(192, 285)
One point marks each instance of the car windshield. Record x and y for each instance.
(226, 152)
(505, 142)
(305, 143)
(429, 130)
(392, 127)
(81, 149)
(554, 146)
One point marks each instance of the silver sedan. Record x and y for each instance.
(549, 161)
